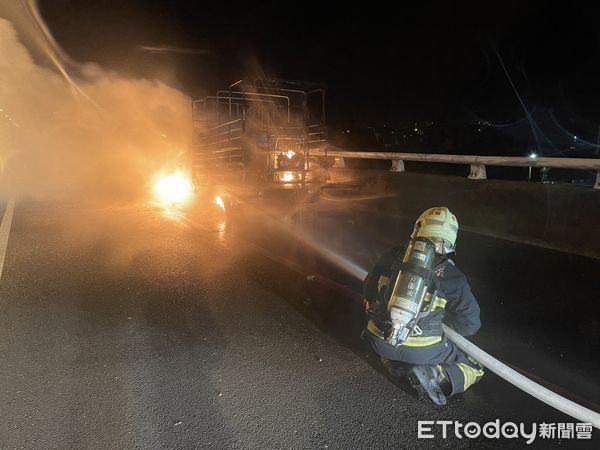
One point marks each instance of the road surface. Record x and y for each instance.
(138, 327)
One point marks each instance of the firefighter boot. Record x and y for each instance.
(434, 381)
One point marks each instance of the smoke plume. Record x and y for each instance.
(84, 134)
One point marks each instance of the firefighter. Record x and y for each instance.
(434, 364)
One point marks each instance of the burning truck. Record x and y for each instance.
(259, 133)
(252, 137)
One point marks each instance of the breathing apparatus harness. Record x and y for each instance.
(412, 274)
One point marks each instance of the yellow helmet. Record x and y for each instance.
(438, 222)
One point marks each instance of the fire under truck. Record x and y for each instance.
(259, 132)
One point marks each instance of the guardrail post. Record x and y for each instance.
(338, 162)
(597, 184)
(477, 172)
(397, 165)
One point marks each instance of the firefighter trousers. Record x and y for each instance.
(462, 370)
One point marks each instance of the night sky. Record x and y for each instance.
(384, 64)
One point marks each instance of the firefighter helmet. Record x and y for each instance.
(438, 223)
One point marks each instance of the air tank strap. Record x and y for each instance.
(436, 284)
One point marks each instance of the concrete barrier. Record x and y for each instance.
(561, 217)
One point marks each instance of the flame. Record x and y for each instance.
(287, 176)
(173, 188)
(219, 202)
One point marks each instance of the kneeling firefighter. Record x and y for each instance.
(409, 293)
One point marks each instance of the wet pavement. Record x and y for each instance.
(138, 327)
(539, 307)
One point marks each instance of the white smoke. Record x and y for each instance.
(92, 136)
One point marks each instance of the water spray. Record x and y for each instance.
(26, 14)
(502, 370)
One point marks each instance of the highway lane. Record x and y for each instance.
(539, 307)
(134, 327)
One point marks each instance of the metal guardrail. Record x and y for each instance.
(476, 162)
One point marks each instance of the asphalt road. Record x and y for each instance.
(135, 327)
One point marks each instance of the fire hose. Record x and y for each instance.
(522, 382)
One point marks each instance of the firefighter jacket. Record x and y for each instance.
(454, 303)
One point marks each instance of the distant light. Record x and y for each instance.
(347, 131)
(574, 138)
(416, 129)
(533, 155)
